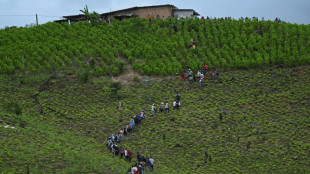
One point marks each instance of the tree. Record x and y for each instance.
(93, 17)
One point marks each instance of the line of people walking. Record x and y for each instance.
(115, 138)
(164, 106)
(112, 141)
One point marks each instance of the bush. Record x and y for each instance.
(15, 107)
(114, 70)
(85, 76)
(114, 87)
(136, 78)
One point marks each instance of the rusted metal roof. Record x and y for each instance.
(134, 8)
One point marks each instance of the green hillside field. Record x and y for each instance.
(153, 49)
(60, 99)
(264, 126)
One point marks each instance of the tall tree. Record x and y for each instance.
(93, 17)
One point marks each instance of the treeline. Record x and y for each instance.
(153, 48)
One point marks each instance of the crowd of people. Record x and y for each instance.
(114, 139)
(201, 75)
(164, 106)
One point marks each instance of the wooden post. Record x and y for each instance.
(23, 60)
(37, 19)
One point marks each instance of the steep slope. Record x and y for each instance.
(264, 126)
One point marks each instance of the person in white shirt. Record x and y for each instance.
(152, 163)
(198, 73)
(166, 107)
(153, 109)
(174, 105)
(133, 169)
(126, 154)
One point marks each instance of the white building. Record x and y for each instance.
(185, 13)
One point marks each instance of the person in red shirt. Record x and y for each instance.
(212, 74)
(202, 18)
(182, 76)
(206, 68)
(129, 155)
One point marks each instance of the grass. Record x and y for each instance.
(265, 128)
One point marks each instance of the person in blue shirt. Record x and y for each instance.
(132, 125)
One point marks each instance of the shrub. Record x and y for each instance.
(136, 78)
(85, 76)
(114, 87)
(15, 107)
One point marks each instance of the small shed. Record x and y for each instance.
(185, 13)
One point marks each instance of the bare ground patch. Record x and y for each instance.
(127, 77)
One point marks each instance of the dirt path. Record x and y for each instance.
(127, 77)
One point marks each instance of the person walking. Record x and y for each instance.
(126, 155)
(217, 74)
(201, 84)
(121, 150)
(174, 105)
(148, 164)
(132, 126)
(161, 107)
(177, 96)
(152, 163)
(167, 107)
(178, 104)
(190, 72)
(153, 109)
(129, 155)
(199, 73)
(182, 76)
(138, 157)
(206, 68)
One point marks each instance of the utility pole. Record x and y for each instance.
(37, 19)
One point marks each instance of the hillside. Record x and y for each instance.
(153, 49)
(60, 99)
(264, 126)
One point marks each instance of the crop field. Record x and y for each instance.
(249, 121)
(153, 49)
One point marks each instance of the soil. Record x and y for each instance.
(127, 77)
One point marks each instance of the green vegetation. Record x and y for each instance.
(152, 49)
(43, 148)
(264, 126)
(93, 17)
(59, 103)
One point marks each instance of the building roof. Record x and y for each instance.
(134, 8)
(61, 20)
(194, 12)
(75, 16)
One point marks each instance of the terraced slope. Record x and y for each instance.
(264, 126)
